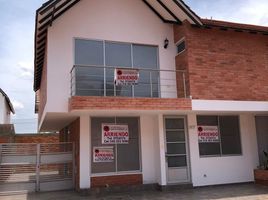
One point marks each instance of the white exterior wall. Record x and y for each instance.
(4, 111)
(118, 20)
(228, 169)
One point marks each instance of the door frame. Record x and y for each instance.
(184, 117)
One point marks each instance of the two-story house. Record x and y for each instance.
(151, 93)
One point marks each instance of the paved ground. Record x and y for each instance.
(230, 192)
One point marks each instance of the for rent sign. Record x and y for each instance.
(124, 76)
(115, 134)
(208, 134)
(103, 154)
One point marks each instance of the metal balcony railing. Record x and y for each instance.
(99, 81)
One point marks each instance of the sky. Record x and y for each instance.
(17, 18)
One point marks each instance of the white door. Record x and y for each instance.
(177, 160)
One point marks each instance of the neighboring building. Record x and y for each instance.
(190, 118)
(6, 108)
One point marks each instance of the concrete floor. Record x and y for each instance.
(228, 192)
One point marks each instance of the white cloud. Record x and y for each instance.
(26, 68)
(254, 12)
(17, 105)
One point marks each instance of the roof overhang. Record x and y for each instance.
(45, 15)
(173, 11)
(8, 101)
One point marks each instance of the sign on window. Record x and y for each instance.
(126, 76)
(115, 134)
(103, 154)
(208, 134)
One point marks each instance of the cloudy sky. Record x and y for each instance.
(17, 36)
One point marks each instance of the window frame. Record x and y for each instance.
(117, 42)
(220, 143)
(116, 172)
(178, 43)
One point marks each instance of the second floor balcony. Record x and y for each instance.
(151, 83)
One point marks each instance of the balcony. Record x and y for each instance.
(93, 87)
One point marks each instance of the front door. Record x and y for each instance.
(177, 161)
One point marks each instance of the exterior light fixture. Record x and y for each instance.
(166, 43)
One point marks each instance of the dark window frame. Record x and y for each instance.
(116, 171)
(181, 46)
(221, 154)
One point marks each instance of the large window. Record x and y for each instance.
(126, 157)
(218, 135)
(102, 57)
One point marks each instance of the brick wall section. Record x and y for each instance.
(226, 65)
(37, 138)
(182, 64)
(6, 139)
(104, 181)
(73, 136)
(125, 103)
(30, 138)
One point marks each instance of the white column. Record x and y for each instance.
(85, 155)
(163, 173)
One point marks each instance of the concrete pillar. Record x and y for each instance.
(85, 155)
(163, 173)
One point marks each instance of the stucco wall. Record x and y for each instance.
(226, 169)
(4, 111)
(118, 20)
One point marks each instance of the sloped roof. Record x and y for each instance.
(235, 26)
(8, 101)
(169, 11)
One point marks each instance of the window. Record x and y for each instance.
(126, 156)
(181, 47)
(99, 54)
(218, 135)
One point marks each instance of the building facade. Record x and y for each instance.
(150, 93)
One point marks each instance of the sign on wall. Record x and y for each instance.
(115, 134)
(124, 76)
(103, 154)
(208, 134)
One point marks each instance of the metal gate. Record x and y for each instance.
(36, 167)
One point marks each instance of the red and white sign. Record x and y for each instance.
(115, 134)
(207, 134)
(124, 76)
(103, 154)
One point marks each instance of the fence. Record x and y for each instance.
(36, 167)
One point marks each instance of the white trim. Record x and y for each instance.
(222, 105)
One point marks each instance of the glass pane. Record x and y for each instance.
(118, 54)
(177, 161)
(128, 154)
(209, 149)
(124, 90)
(145, 56)
(89, 81)
(143, 89)
(174, 123)
(102, 167)
(175, 136)
(88, 52)
(207, 120)
(230, 135)
(110, 82)
(176, 148)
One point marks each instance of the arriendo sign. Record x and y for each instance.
(124, 76)
(208, 134)
(115, 134)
